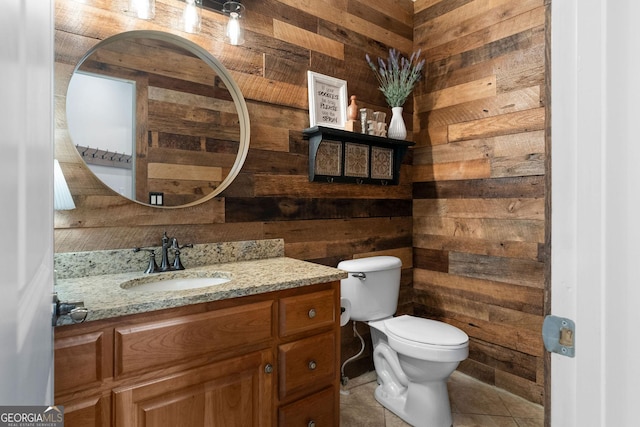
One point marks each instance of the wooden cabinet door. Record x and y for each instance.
(81, 361)
(93, 411)
(234, 392)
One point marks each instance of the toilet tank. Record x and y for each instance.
(376, 295)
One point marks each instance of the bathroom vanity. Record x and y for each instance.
(262, 349)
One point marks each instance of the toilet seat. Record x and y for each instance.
(425, 331)
(427, 339)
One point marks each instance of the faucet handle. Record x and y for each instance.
(152, 267)
(176, 247)
(177, 264)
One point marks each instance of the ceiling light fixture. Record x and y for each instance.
(192, 16)
(234, 33)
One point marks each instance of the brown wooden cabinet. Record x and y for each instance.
(234, 393)
(262, 360)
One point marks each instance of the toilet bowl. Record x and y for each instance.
(413, 357)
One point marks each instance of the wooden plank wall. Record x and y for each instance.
(271, 198)
(468, 217)
(480, 252)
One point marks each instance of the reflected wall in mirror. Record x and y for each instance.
(157, 119)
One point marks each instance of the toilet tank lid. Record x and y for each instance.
(426, 331)
(374, 263)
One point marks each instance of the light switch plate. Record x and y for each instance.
(156, 198)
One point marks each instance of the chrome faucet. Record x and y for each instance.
(167, 244)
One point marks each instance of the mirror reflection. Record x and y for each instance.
(157, 119)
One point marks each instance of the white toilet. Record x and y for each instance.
(413, 357)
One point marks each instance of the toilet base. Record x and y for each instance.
(422, 405)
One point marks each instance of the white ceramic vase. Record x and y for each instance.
(397, 129)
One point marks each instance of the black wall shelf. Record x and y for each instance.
(337, 155)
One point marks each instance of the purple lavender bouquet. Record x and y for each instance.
(398, 76)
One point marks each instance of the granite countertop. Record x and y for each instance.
(104, 298)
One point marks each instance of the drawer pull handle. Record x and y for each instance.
(268, 368)
(311, 424)
(313, 365)
(312, 313)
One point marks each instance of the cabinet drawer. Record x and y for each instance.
(318, 410)
(302, 313)
(307, 365)
(79, 361)
(221, 332)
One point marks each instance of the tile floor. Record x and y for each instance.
(473, 403)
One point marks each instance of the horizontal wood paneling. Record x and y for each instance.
(473, 17)
(307, 39)
(501, 57)
(506, 295)
(272, 196)
(275, 172)
(479, 198)
(286, 209)
(481, 208)
(467, 217)
(333, 11)
(492, 33)
(504, 124)
(454, 95)
(485, 229)
(501, 248)
(528, 186)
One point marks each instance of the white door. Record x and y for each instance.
(596, 209)
(26, 206)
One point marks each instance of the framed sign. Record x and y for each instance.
(327, 101)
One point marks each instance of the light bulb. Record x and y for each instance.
(191, 16)
(144, 9)
(234, 30)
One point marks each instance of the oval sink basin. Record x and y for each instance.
(156, 284)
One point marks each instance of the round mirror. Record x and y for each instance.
(157, 119)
